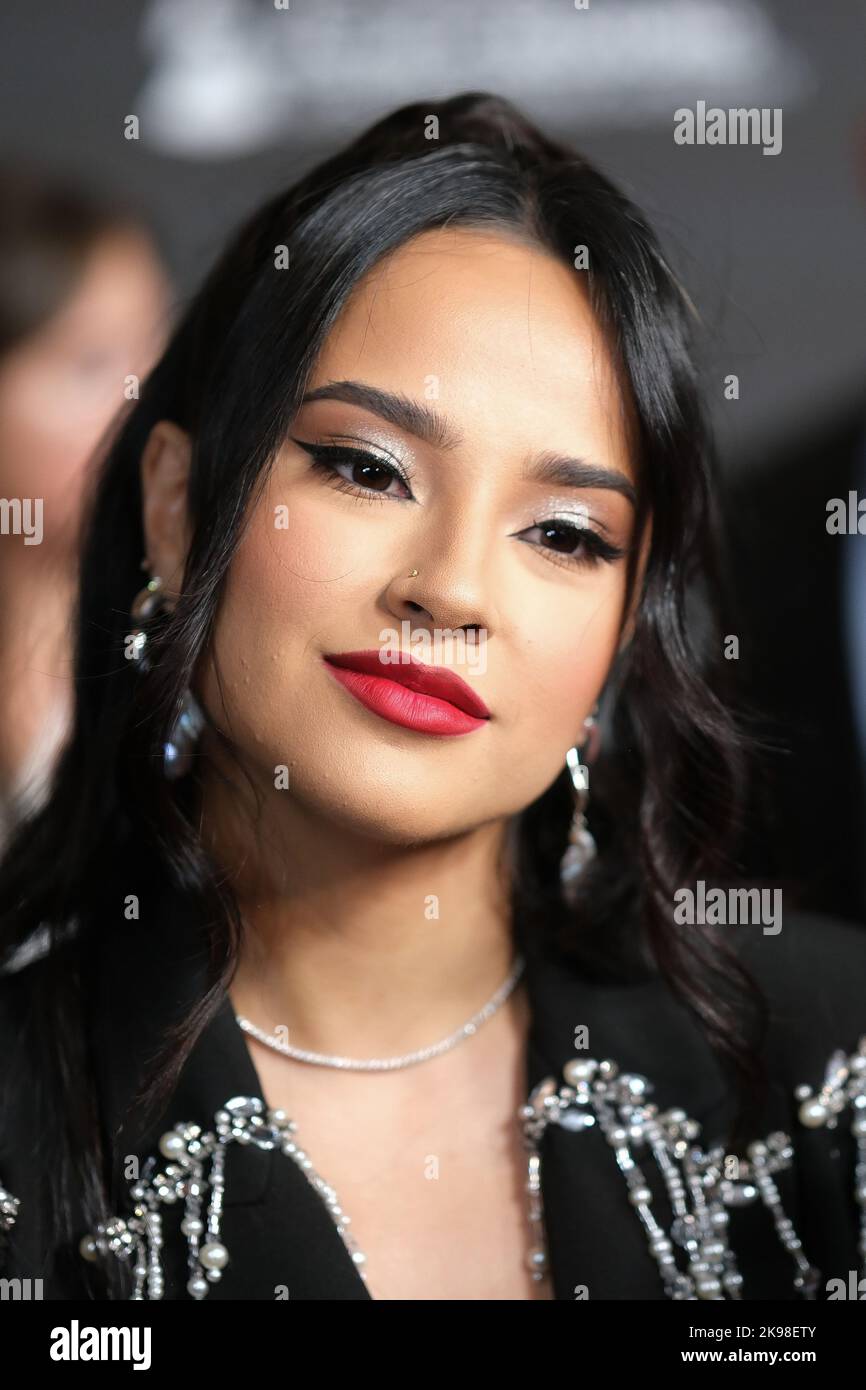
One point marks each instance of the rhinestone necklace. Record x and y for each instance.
(409, 1059)
(536, 1259)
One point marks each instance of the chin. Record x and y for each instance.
(388, 821)
(391, 815)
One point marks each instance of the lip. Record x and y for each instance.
(410, 693)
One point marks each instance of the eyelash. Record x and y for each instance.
(324, 459)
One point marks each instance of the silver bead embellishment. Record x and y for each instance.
(242, 1120)
(843, 1088)
(8, 1210)
(594, 1095)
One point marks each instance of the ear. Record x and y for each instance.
(165, 463)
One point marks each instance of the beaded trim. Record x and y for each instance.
(8, 1211)
(242, 1120)
(701, 1184)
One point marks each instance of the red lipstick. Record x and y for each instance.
(428, 699)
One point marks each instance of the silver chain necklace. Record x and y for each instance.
(410, 1059)
(537, 1258)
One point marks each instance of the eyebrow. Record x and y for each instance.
(425, 423)
(560, 471)
(421, 420)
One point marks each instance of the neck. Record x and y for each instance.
(356, 947)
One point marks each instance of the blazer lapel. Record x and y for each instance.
(281, 1239)
(597, 1245)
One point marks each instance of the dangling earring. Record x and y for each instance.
(145, 605)
(581, 845)
(177, 751)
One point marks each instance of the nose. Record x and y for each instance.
(445, 590)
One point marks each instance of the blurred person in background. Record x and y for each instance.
(83, 303)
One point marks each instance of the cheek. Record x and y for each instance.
(295, 576)
(303, 553)
(567, 653)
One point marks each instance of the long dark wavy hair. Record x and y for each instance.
(668, 785)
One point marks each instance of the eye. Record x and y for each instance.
(357, 471)
(566, 543)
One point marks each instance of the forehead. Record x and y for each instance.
(493, 329)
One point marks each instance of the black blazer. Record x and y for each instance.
(276, 1228)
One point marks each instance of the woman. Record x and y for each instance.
(340, 966)
(82, 303)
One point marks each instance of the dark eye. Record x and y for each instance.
(566, 543)
(356, 470)
(558, 535)
(360, 470)
(373, 475)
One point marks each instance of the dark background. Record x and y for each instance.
(235, 99)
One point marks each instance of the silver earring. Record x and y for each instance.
(145, 605)
(178, 749)
(581, 845)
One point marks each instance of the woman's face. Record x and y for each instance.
(520, 561)
(62, 386)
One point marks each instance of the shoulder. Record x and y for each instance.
(812, 973)
(813, 976)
